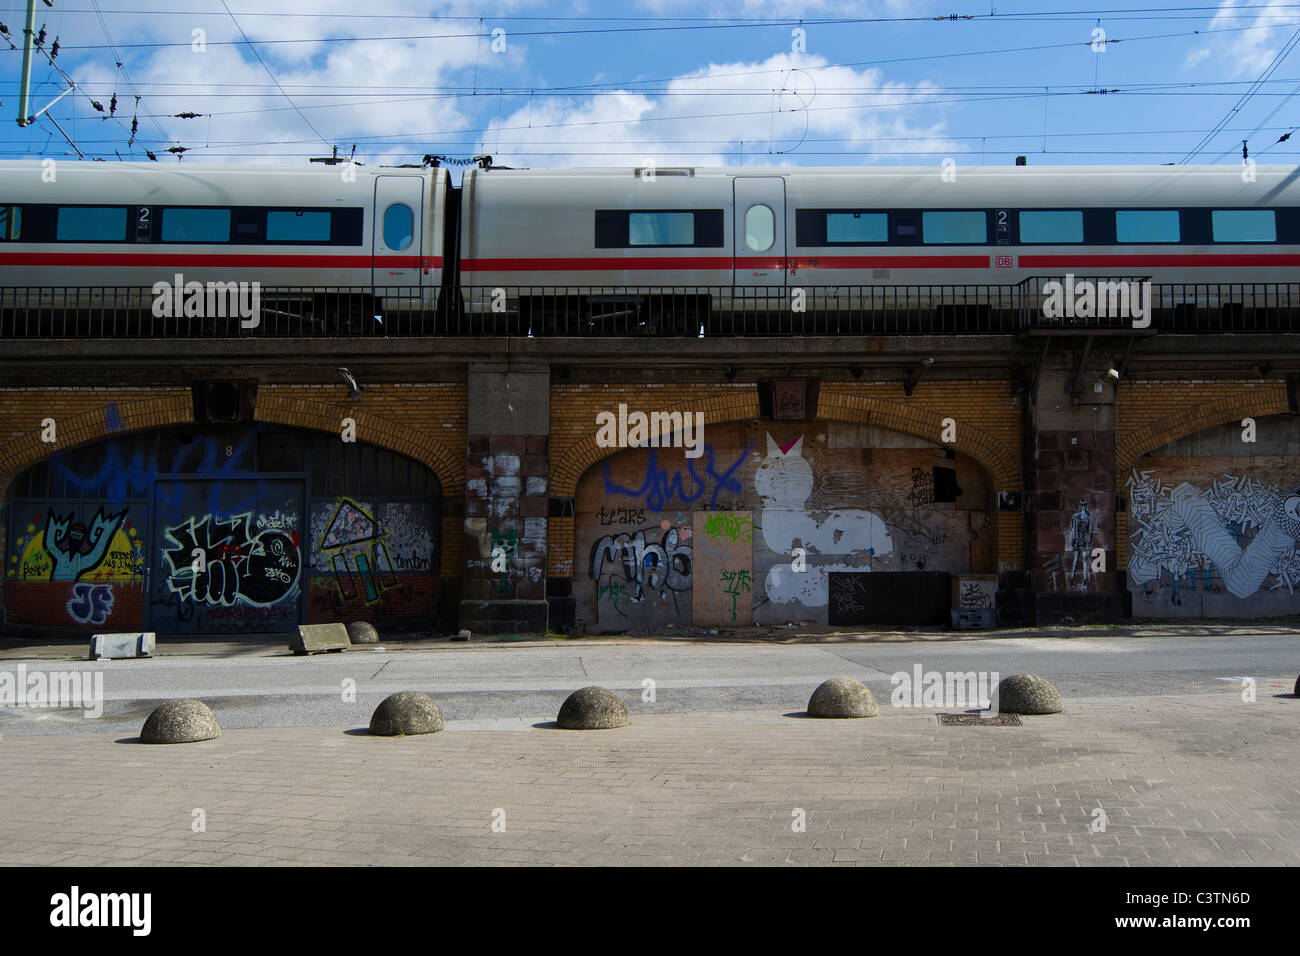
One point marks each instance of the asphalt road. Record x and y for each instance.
(493, 686)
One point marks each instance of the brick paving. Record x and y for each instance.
(1182, 780)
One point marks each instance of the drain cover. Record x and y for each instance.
(978, 720)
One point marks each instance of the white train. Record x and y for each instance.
(545, 246)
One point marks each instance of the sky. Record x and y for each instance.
(542, 83)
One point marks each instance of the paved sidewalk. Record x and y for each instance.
(63, 647)
(1182, 780)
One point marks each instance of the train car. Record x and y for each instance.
(569, 245)
(348, 239)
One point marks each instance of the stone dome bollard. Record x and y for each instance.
(362, 632)
(592, 708)
(406, 714)
(182, 721)
(842, 697)
(1026, 694)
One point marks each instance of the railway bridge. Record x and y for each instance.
(890, 458)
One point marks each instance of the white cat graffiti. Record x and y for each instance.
(784, 481)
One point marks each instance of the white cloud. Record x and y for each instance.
(1195, 57)
(777, 109)
(1249, 52)
(258, 115)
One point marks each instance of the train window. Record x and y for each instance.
(196, 225)
(1244, 225)
(857, 227)
(1051, 226)
(91, 223)
(399, 226)
(297, 226)
(661, 229)
(961, 226)
(760, 228)
(11, 223)
(1147, 225)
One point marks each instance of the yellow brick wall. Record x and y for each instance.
(987, 416)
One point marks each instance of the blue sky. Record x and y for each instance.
(674, 81)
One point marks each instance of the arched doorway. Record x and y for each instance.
(207, 530)
(883, 521)
(1214, 523)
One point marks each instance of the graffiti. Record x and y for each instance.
(922, 487)
(257, 569)
(974, 596)
(1082, 525)
(242, 618)
(505, 543)
(622, 516)
(734, 584)
(75, 548)
(784, 481)
(1243, 529)
(658, 489)
(612, 592)
(1053, 569)
(731, 525)
(91, 603)
(645, 566)
(354, 543)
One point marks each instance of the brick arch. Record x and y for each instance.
(1190, 420)
(372, 429)
(132, 416)
(161, 412)
(574, 461)
(1000, 462)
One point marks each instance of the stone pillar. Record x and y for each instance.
(1073, 500)
(506, 500)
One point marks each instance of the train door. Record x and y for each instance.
(759, 251)
(398, 238)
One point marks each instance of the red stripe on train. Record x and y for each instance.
(209, 261)
(668, 263)
(1223, 261)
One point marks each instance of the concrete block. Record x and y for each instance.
(319, 638)
(117, 646)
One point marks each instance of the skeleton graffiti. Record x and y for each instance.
(218, 561)
(1082, 526)
(1239, 528)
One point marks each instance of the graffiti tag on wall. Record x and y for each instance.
(1244, 530)
(237, 567)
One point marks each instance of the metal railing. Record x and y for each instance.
(657, 311)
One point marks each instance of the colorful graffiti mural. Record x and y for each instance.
(70, 562)
(774, 511)
(371, 560)
(219, 561)
(1237, 536)
(784, 482)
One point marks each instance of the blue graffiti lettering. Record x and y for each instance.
(658, 489)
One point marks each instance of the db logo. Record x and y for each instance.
(1002, 262)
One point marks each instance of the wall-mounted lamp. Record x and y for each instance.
(915, 376)
(350, 381)
(731, 373)
(1265, 369)
(855, 371)
(1113, 375)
